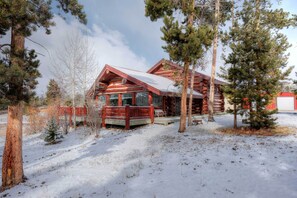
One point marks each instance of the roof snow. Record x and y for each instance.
(161, 83)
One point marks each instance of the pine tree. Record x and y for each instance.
(53, 92)
(51, 131)
(258, 56)
(186, 39)
(295, 82)
(20, 67)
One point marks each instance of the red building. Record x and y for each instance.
(285, 101)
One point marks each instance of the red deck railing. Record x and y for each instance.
(69, 111)
(79, 111)
(127, 113)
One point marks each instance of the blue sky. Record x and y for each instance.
(121, 35)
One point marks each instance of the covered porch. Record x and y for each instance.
(134, 109)
(129, 98)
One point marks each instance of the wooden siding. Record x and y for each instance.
(172, 106)
(273, 104)
(116, 86)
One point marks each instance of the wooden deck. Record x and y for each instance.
(166, 120)
(127, 115)
(169, 120)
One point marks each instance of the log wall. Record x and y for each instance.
(201, 85)
(117, 86)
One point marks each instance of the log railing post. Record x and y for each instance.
(85, 115)
(150, 98)
(152, 116)
(107, 100)
(120, 99)
(70, 117)
(127, 117)
(103, 117)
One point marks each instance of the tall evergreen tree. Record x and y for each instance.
(186, 39)
(295, 82)
(258, 57)
(22, 17)
(53, 92)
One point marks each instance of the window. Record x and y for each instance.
(142, 99)
(157, 100)
(114, 100)
(127, 99)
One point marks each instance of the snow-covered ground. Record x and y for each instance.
(156, 161)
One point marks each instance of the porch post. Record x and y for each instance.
(120, 101)
(85, 115)
(103, 116)
(70, 117)
(134, 99)
(107, 100)
(150, 98)
(127, 117)
(152, 116)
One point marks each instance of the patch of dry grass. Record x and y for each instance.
(277, 131)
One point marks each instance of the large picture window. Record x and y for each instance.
(142, 99)
(114, 100)
(127, 99)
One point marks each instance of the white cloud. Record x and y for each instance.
(111, 48)
(109, 45)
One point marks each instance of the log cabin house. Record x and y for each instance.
(133, 97)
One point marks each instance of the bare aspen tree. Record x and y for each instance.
(75, 67)
(94, 110)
